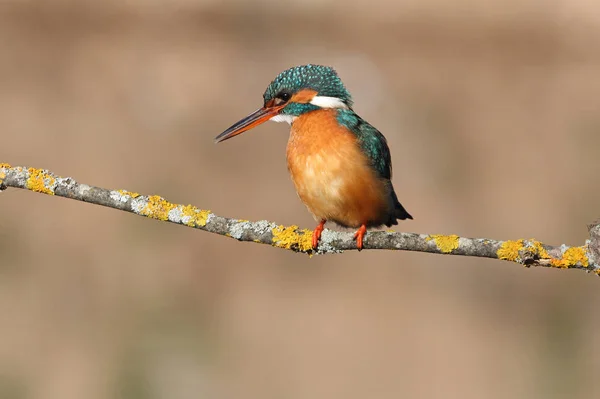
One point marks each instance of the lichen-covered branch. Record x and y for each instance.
(525, 252)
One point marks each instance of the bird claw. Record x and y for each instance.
(317, 234)
(359, 236)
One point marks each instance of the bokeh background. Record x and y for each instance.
(492, 112)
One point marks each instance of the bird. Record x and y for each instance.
(340, 164)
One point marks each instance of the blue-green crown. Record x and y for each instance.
(323, 79)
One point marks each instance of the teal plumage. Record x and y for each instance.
(371, 141)
(296, 109)
(322, 79)
(374, 145)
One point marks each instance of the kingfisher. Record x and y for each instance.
(340, 164)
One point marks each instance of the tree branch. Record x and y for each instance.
(525, 252)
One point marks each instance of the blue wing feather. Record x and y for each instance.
(375, 147)
(371, 141)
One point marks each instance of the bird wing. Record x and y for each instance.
(371, 141)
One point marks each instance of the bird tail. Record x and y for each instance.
(399, 211)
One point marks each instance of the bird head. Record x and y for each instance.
(292, 93)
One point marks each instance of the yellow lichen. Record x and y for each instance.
(4, 165)
(157, 208)
(291, 237)
(446, 244)
(129, 193)
(574, 256)
(509, 250)
(538, 249)
(40, 181)
(197, 217)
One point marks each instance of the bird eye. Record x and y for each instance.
(282, 97)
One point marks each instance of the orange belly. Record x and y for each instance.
(332, 176)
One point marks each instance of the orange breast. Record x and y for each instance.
(331, 174)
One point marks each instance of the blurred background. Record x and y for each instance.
(492, 113)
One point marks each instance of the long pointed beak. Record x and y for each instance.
(256, 118)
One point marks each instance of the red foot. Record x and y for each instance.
(359, 235)
(317, 233)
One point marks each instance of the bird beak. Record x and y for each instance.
(256, 118)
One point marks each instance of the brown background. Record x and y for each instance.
(492, 112)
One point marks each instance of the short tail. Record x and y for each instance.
(399, 211)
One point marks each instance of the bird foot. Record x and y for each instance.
(359, 236)
(317, 234)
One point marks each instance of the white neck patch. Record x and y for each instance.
(284, 118)
(328, 102)
(319, 101)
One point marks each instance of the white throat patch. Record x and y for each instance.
(284, 118)
(328, 102)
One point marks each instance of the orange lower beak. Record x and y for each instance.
(254, 119)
